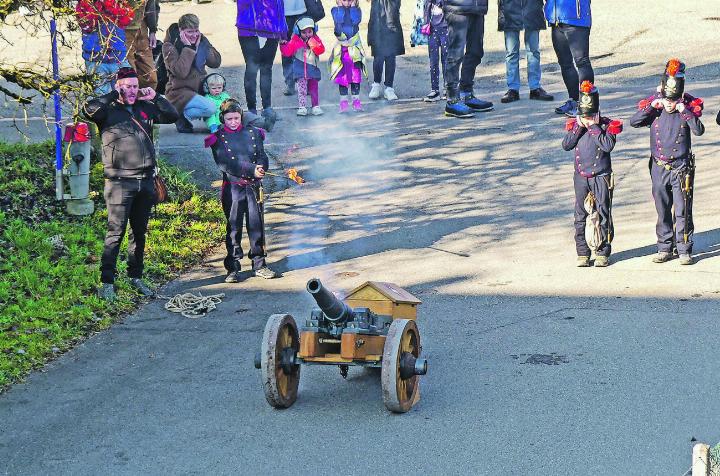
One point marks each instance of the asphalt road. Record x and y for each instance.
(536, 367)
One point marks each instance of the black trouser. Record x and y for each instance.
(389, 63)
(668, 194)
(287, 61)
(240, 204)
(572, 47)
(465, 47)
(127, 200)
(261, 59)
(600, 187)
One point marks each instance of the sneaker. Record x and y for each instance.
(302, 111)
(270, 118)
(474, 103)
(432, 96)
(390, 94)
(233, 277)
(375, 91)
(602, 261)
(344, 106)
(456, 108)
(569, 108)
(686, 259)
(288, 90)
(141, 287)
(662, 257)
(511, 95)
(357, 105)
(583, 262)
(539, 94)
(184, 126)
(106, 292)
(317, 111)
(266, 273)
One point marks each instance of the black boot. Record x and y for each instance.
(539, 94)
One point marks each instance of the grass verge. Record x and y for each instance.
(49, 261)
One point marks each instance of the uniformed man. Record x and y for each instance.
(672, 115)
(592, 137)
(239, 153)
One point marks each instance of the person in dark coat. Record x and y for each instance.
(385, 37)
(592, 138)
(672, 115)
(515, 16)
(125, 118)
(466, 29)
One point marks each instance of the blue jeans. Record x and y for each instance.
(106, 72)
(199, 108)
(512, 58)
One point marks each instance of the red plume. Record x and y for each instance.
(673, 67)
(586, 87)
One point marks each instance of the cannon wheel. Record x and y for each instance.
(280, 340)
(400, 394)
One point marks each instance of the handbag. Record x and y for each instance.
(161, 191)
(314, 9)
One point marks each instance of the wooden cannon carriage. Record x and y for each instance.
(374, 326)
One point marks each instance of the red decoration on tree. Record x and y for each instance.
(673, 67)
(91, 14)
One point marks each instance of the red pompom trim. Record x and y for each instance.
(673, 67)
(615, 127)
(570, 124)
(586, 86)
(697, 103)
(210, 140)
(643, 104)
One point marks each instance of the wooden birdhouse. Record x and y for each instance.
(386, 299)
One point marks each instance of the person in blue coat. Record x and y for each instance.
(571, 21)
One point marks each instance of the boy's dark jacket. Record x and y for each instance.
(592, 145)
(237, 153)
(127, 147)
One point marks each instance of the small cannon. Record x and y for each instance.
(373, 327)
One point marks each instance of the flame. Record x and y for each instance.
(293, 175)
(586, 87)
(673, 67)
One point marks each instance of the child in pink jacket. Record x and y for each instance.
(305, 48)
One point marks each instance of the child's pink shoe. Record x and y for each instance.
(344, 106)
(357, 105)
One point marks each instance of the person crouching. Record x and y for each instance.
(593, 138)
(239, 153)
(305, 47)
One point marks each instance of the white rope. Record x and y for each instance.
(192, 306)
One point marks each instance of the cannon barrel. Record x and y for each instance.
(333, 308)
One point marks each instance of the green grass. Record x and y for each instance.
(47, 294)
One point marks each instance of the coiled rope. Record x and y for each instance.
(191, 305)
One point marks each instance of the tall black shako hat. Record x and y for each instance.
(589, 101)
(673, 80)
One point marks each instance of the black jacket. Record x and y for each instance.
(518, 15)
(385, 34)
(237, 153)
(592, 147)
(128, 150)
(466, 7)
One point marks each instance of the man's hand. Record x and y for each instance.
(184, 38)
(147, 94)
(199, 38)
(152, 39)
(259, 171)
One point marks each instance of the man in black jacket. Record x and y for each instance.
(125, 118)
(466, 28)
(515, 16)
